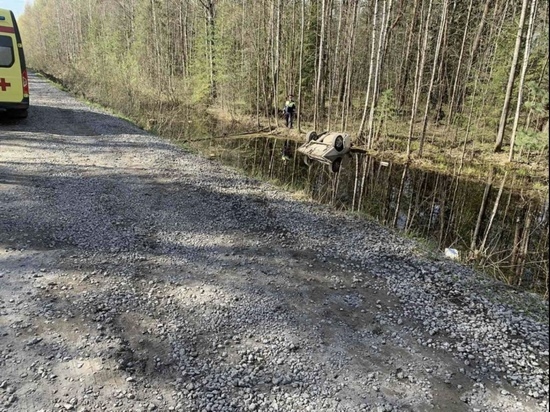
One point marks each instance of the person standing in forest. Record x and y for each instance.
(290, 108)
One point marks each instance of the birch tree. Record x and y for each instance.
(347, 79)
(210, 12)
(405, 61)
(526, 53)
(442, 27)
(301, 63)
(459, 64)
(386, 10)
(317, 93)
(511, 79)
(371, 72)
(421, 57)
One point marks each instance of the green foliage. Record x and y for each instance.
(199, 73)
(386, 107)
(493, 78)
(385, 111)
(532, 140)
(538, 61)
(536, 103)
(233, 69)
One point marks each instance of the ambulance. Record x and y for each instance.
(14, 83)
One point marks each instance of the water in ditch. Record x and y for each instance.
(490, 222)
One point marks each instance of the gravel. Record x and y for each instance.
(136, 276)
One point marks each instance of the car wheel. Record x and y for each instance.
(339, 143)
(335, 166)
(311, 136)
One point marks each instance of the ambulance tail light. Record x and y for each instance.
(25, 83)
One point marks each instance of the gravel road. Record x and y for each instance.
(135, 276)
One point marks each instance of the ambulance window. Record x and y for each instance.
(6, 51)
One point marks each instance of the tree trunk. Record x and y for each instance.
(405, 65)
(301, 64)
(493, 214)
(459, 65)
(316, 107)
(526, 54)
(520, 268)
(336, 64)
(346, 101)
(362, 192)
(511, 78)
(516, 247)
(469, 125)
(442, 27)
(482, 208)
(399, 195)
(371, 68)
(421, 57)
(210, 10)
(384, 22)
(473, 54)
(275, 59)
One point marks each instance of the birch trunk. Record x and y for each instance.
(459, 65)
(371, 67)
(526, 54)
(386, 8)
(346, 101)
(404, 67)
(418, 77)
(316, 108)
(511, 79)
(442, 25)
(482, 247)
(302, 31)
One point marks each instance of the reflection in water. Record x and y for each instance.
(502, 230)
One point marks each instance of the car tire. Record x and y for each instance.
(339, 143)
(311, 136)
(307, 161)
(335, 166)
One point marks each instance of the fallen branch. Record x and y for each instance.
(226, 136)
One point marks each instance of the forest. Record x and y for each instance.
(417, 77)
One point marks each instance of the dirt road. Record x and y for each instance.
(135, 276)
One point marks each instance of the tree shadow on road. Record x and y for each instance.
(66, 121)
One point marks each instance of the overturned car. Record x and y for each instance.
(327, 147)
